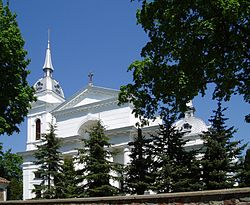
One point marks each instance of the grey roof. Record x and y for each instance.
(192, 125)
(41, 85)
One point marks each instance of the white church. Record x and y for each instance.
(75, 114)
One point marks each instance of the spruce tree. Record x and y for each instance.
(221, 153)
(95, 176)
(48, 159)
(138, 178)
(244, 175)
(67, 183)
(175, 169)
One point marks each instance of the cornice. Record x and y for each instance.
(42, 108)
(49, 92)
(78, 96)
(87, 108)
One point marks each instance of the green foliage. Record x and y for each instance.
(15, 94)
(95, 175)
(219, 162)
(138, 178)
(15, 189)
(10, 169)
(244, 175)
(67, 183)
(189, 40)
(175, 169)
(48, 159)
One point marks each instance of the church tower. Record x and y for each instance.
(49, 95)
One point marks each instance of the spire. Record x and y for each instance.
(48, 67)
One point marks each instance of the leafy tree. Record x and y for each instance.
(189, 40)
(221, 153)
(95, 175)
(245, 172)
(15, 93)
(175, 169)
(10, 169)
(138, 179)
(67, 183)
(48, 159)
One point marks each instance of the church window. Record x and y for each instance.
(38, 129)
(187, 126)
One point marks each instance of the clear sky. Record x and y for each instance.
(93, 36)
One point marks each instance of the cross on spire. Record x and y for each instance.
(90, 75)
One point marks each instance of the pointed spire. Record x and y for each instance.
(48, 67)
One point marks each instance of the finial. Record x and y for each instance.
(189, 104)
(90, 75)
(190, 109)
(48, 38)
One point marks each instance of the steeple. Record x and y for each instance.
(47, 86)
(48, 67)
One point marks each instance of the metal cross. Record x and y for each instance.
(90, 75)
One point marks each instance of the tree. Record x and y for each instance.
(175, 169)
(221, 153)
(67, 183)
(189, 40)
(16, 95)
(10, 169)
(138, 179)
(48, 159)
(245, 171)
(95, 175)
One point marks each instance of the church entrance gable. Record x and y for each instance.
(88, 95)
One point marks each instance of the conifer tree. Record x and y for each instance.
(244, 175)
(221, 153)
(175, 169)
(48, 159)
(138, 178)
(95, 176)
(67, 183)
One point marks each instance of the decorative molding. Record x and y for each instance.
(86, 108)
(76, 98)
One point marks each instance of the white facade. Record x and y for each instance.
(74, 115)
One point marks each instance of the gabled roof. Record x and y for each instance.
(88, 95)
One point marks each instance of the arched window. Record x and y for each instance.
(38, 129)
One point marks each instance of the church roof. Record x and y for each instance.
(4, 181)
(190, 124)
(88, 95)
(44, 84)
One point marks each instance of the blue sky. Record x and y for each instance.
(93, 36)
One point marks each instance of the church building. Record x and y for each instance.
(73, 116)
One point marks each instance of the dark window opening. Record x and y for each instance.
(38, 129)
(187, 126)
